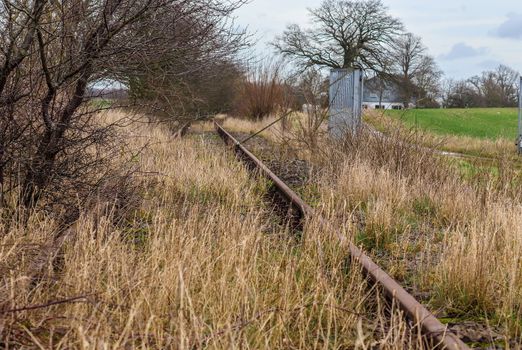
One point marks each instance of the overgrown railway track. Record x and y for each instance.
(430, 327)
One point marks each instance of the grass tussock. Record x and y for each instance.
(198, 262)
(457, 239)
(454, 238)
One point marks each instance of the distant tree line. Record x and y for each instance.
(493, 88)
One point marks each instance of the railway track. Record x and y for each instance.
(429, 326)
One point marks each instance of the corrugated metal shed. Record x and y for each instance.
(345, 95)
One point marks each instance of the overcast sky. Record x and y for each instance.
(465, 37)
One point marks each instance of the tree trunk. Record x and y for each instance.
(41, 168)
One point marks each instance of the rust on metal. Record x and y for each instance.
(428, 323)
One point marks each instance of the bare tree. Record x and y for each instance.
(53, 51)
(203, 81)
(460, 94)
(497, 88)
(344, 33)
(415, 73)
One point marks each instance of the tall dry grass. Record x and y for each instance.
(198, 263)
(456, 241)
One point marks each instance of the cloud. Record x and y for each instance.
(463, 50)
(511, 28)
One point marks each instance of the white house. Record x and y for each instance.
(380, 94)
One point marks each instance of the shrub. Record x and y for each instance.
(262, 92)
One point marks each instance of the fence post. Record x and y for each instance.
(345, 97)
(519, 138)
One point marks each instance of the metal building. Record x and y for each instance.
(345, 95)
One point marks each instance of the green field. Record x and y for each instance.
(486, 123)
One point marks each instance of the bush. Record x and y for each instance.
(262, 92)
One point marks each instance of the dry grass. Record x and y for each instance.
(460, 241)
(197, 263)
(455, 241)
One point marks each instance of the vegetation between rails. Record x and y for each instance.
(115, 234)
(456, 242)
(194, 261)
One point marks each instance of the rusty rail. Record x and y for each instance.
(430, 326)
